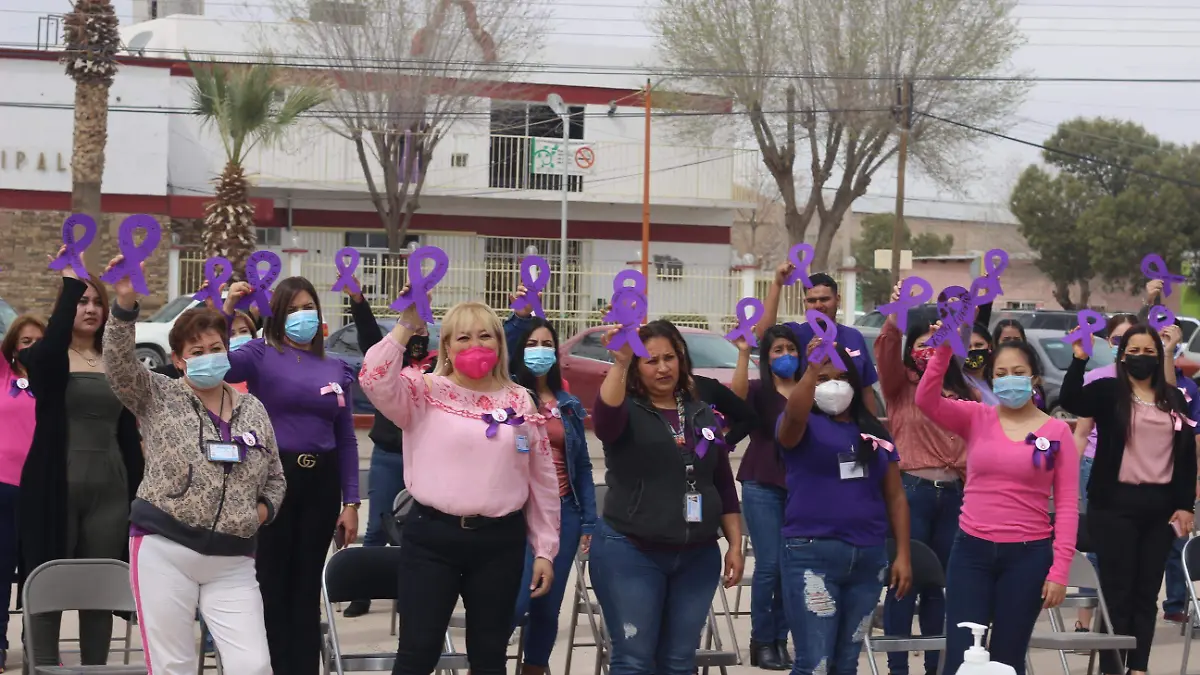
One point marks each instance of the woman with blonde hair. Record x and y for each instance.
(478, 465)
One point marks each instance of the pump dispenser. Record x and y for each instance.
(976, 660)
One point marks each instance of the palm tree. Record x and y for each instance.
(91, 60)
(247, 105)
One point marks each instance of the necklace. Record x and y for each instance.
(1142, 401)
(89, 360)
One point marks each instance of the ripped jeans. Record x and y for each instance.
(830, 591)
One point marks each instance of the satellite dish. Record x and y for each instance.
(137, 44)
(556, 104)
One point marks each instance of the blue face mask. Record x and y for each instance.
(239, 340)
(301, 327)
(1115, 349)
(785, 366)
(1014, 391)
(539, 360)
(207, 370)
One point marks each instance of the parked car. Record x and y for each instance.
(7, 316)
(150, 335)
(871, 323)
(1044, 319)
(343, 345)
(1056, 356)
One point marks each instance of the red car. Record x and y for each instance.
(585, 361)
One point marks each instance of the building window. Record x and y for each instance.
(668, 268)
(372, 240)
(514, 125)
(1021, 305)
(502, 264)
(269, 236)
(458, 160)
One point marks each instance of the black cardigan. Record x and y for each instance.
(1098, 400)
(740, 415)
(384, 432)
(42, 510)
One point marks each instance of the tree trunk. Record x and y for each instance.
(1085, 293)
(229, 229)
(87, 152)
(1062, 293)
(830, 221)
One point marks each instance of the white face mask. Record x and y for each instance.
(834, 396)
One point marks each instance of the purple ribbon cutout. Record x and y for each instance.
(261, 283)
(75, 246)
(1160, 317)
(1044, 451)
(1090, 323)
(533, 286)
(995, 262)
(345, 270)
(907, 300)
(213, 290)
(15, 389)
(749, 313)
(1154, 267)
(824, 328)
(419, 284)
(509, 417)
(801, 256)
(133, 254)
(954, 306)
(629, 308)
(703, 440)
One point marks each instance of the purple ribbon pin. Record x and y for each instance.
(1090, 323)
(720, 418)
(629, 309)
(708, 436)
(1154, 267)
(954, 306)
(749, 312)
(824, 328)
(533, 285)
(801, 256)
(1160, 317)
(261, 283)
(497, 417)
(214, 278)
(345, 271)
(908, 300)
(1044, 451)
(18, 385)
(419, 284)
(133, 254)
(75, 246)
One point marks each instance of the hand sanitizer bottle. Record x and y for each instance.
(976, 660)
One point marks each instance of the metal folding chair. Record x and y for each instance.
(584, 603)
(75, 585)
(927, 575)
(1191, 570)
(747, 578)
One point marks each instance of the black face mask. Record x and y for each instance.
(976, 358)
(1141, 366)
(417, 348)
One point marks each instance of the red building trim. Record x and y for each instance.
(175, 206)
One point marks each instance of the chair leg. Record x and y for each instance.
(1187, 639)
(128, 638)
(520, 647)
(870, 654)
(1058, 625)
(571, 632)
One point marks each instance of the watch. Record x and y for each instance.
(352, 505)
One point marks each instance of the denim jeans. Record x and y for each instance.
(762, 505)
(1177, 584)
(386, 480)
(542, 628)
(998, 585)
(655, 602)
(933, 518)
(831, 589)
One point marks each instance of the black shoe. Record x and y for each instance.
(356, 609)
(764, 655)
(785, 654)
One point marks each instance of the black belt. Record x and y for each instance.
(465, 522)
(306, 460)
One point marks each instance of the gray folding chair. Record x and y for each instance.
(747, 578)
(1191, 570)
(927, 575)
(75, 585)
(584, 603)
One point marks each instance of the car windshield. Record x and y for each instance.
(7, 315)
(1060, 353)
(172, 309)
(710, 351)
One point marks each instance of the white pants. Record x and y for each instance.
(170, 581)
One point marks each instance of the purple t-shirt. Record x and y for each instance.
(849, 339)
(823, 505)
(762, 463)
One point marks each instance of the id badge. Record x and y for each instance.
(219, 451)
(692, 512)
(522, 444)
(849, 468)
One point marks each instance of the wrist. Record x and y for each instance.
(352, 505)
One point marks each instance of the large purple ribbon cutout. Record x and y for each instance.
(419, 284)
(1160, 317)
(749, 313)
(629, 308)
(1091, 322)
(908, 300)
(214, 278)
(801, 256)
(954, 308)
(1154, 267)
(824, 328)
(75, 245)
(261, 284)
(533, 285)
(346, 270)
(134, 254)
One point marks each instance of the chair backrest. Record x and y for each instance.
(927, 572)
(80, 584)
(1191, 560)
(363, 573)
(393, 525)
(1082, 574)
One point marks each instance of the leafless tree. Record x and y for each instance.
(759, 228)
(406, 71)
(818, 80)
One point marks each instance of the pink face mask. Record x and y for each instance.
(475, 362)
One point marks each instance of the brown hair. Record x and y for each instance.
(8, 347)
(273, 327)
(661, 329)
(102, 295)
(240, 315)
(194, 323)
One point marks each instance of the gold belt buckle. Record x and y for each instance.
(467, 522)
(306, 460)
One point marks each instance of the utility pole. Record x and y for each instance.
(646, 188)
(903, 114)
(564, 115)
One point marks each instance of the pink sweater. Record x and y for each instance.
(1007, 495)
(450, 463)
(16, 418)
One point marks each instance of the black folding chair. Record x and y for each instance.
(927, 575)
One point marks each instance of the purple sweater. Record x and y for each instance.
(289, 383)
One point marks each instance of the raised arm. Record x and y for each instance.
(366, 327)
(53, 346)
(771, 302)
(741, 372)
(1074, 397)
(949, 414)
(1066, 506)
(794, 421)
(134, 385)
(397, 392)
(893, 374)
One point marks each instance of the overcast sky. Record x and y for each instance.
(1066, 38)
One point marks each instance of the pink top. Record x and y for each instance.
(16, 418)
(1149, 452)
(1008, 487)
(450, 462)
